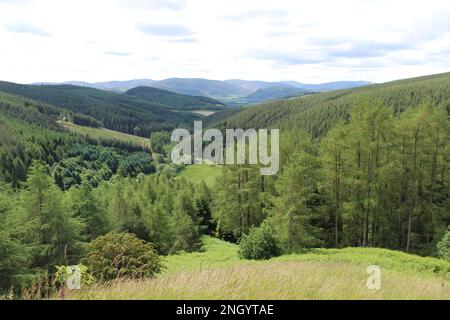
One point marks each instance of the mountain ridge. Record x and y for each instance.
(225, 90)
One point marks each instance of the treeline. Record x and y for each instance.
(84, 120)
(42, 227)
(379, 180)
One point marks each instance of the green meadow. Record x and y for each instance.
(216, 272)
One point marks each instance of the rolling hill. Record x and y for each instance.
(29, 131)
(233, 91)
(319, 112)
(217, 273)
(328, 86)
(120, 112)
(252, 86)
(116, 86)
(174, 100)
(274, 93)
(201, 87)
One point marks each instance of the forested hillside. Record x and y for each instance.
(174, 100)
(273, 93)
(114, 111)
(201, 87)
(29, 132)
(318, 113)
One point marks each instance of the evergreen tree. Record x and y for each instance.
(54, 232)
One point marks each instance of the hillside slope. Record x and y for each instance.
(273, 93)
(318, 113)
(174, 100)
(201, 87)
(29, 131)
(217, 273)
(115, 111)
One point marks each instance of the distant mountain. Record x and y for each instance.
(201, 87)
(293, 84)
(175, 100)
(252, 86)
(231, 91)
(273, 93)
(117, 86)
(331, 86)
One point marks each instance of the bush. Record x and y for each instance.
(444, 247)
(261, 243)
(121, 255)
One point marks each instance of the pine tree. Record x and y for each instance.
(85, 205)
(53, 230)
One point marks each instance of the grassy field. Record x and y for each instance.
(106, 134)
(197, 173)
(218, 273)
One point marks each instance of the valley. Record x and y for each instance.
(363, 181)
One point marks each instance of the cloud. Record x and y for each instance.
(183, 40)
(15, 2)
(367, 49)
(25, 27)
(165, 30)
(355, 49)
(255, 14)
(287, 58)
(117, 53)
(174, 5)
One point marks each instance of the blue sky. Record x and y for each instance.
(307, 41)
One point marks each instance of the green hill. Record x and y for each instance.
(174, 100)
(102, 134)
(273, 93)
(217, 273)
(115, 111)
(318, 113)
(29, 131)
(201, 87)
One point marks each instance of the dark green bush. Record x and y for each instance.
(261, 243)
(121, 255)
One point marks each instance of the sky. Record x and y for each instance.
(306, 41)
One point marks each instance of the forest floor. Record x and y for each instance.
(217, 273)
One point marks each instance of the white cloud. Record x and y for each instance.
(307, 41)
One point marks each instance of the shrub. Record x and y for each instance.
(121, 255)
(261, 243)
(444, 246)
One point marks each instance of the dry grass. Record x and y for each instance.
(272, 280)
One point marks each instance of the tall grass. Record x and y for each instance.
(272, 280)
(218, 273)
